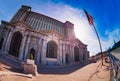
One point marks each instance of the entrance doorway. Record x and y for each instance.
(32, 54)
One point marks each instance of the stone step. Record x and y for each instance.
(9, 60)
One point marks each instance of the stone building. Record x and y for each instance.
(30, 35)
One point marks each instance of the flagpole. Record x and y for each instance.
(90, 20)
(99, 42)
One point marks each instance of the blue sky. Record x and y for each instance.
(106, 14)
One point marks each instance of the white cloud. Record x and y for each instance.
(83, 30)
(112, 36)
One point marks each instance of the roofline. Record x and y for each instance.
(46, 16)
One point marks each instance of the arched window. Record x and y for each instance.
(1, 43)
(76, 54)
(66, 58)
(32, 54)
(51, 51)
(15, 44)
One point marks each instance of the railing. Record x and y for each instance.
(115, 68)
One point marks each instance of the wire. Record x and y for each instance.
(94, 72)
(98, 71)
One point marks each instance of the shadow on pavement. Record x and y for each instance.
(58, 69)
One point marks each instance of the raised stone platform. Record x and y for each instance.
(30, 68)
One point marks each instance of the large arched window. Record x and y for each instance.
(32, 54)
(51, 51)
(1, 43)
(15, 44)
(76, 54)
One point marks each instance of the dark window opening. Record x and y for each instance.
(1, 43)
(15, 44)
(66, 58)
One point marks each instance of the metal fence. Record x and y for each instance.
(115, 68)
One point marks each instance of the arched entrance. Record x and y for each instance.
(15, 44)
(66, 58)
(51, 51)
(76, 54)
(1, 43)
(32, 54)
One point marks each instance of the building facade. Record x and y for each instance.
(30, 35)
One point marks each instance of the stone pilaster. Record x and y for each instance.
(5, 39)
(22, 47)
(27, 46)
(7, 45)
(79, 54)
(39, 50)
(86, 56)
(60, 54)
(72, 50)
(64, 53)
(82, 55)
(44, 52)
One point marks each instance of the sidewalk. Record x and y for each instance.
(91, 73)
(82, 74)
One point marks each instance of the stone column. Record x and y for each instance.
(7, 45)
(39, 50)
(5, 39)
(43, 55)
(26, 48)
(63, 54)
(82, 52)
(72, 48)
(70, 51)
(60, 53)
(82, 55)
(21, 51)
(86, 56)
(79, 54)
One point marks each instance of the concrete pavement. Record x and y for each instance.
(87, 73)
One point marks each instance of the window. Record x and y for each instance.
(51, 50)
(15, 44)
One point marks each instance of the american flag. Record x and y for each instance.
(89, 17)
